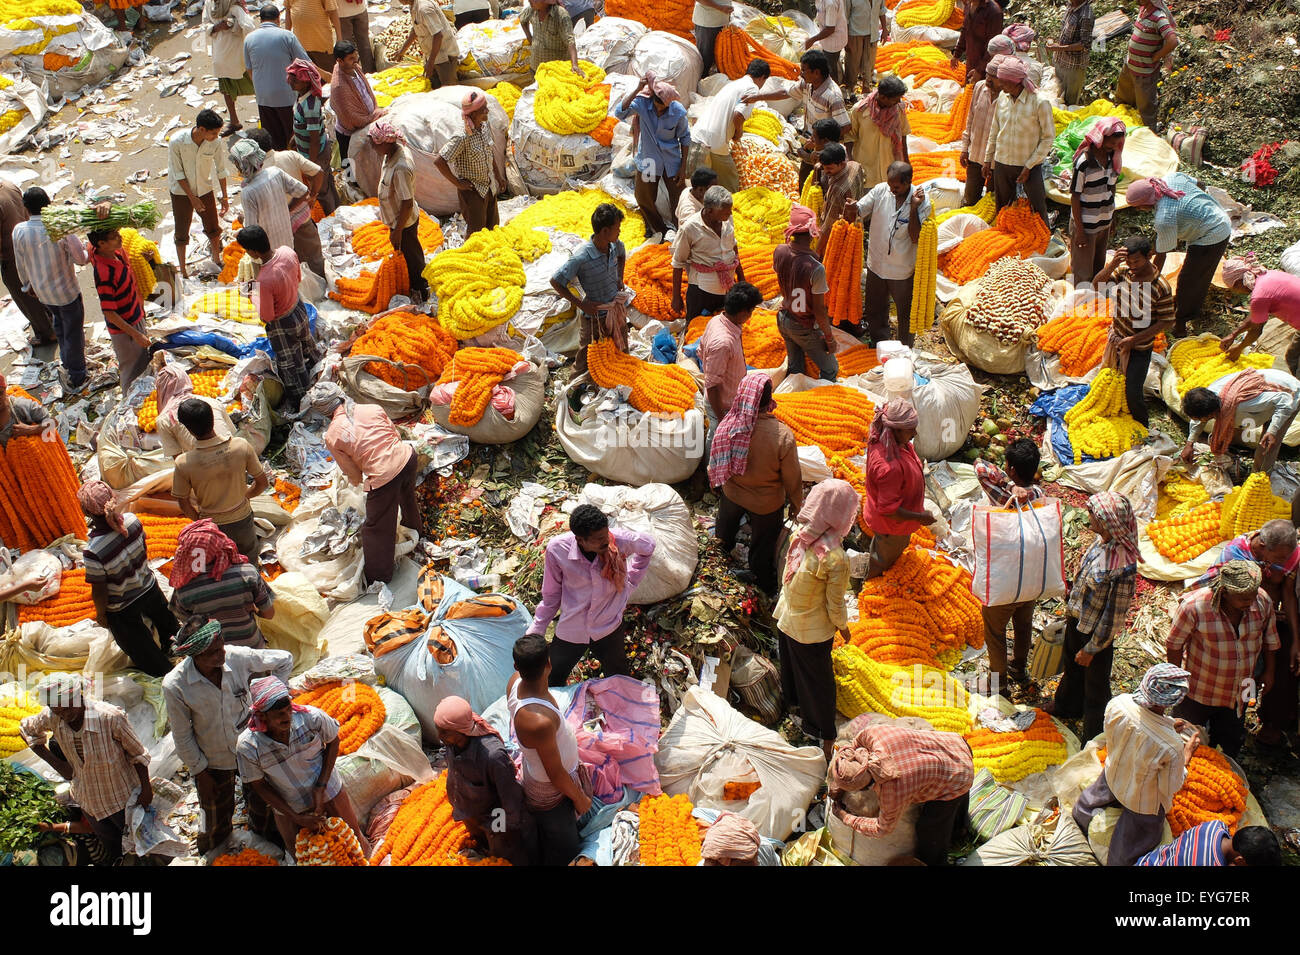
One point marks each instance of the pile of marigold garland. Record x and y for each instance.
(476, 371)
(423, 832)
(72, 604)
(835, 418)
(407, 338)
(38, 491)
(656, 388)
(357, 708)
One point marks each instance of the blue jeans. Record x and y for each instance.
(69, 327)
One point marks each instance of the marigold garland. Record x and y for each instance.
(735, 49)
(1062, 118)
(668, 16)
(38, 491)
(925, 277)
(478, 371)
(760, 216)
(765, 123)
(834, 418)
(669, 834)
(756, 262)
(231, 256)
(357, 707)
(986, 209)
(1212, 790)
(245, 857)
(287, 494)
(929, 13)
(1010, 757)
(1178, 495)
(409, 338)
(569, 104)
(372, 243)
(1200, 362)
(1012, 300)
(1017, 230)
(72, 604)
(1248, 508)
(16, 704)
(1100, 425)
(843, 261)
(423, 832)
(762, 167)
(161, 533)
(479, 285)
(397, 81)
(864, 686)
(507, 94)
(337, 845)
(372, 291)
(943, 128)
(230, 304)
(812, 196)
(206, 383)
(854, 360)
(140, 253)
(760, 338)
(571, 211)
(1188, 535)
(656, 388)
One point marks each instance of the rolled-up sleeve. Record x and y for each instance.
(130, 743)
(639, 548)
(36, 729)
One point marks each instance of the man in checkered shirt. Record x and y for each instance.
(1217, 635)
(907, 767)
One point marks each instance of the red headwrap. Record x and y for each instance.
(201, 548)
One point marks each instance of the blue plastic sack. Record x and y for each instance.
(1053, 406)
(193, 338)
(262, 344)
(664, 348)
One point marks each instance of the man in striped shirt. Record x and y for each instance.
(1211, 844)
(119, 297)
(214, 580)
(1153, 39)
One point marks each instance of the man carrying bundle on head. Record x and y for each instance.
(207, 707)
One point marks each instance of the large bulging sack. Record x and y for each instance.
(461, 647)
(708, 744)
(493, 48)
(428, 121)
(610, 43)
(670, 58)
(664, 449)
(496, 428)
(975, 346)
(659, 511)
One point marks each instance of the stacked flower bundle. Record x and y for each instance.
(1100, 425)
(15, 706)
(206, 383)
(1017, 230)
(843, 259)
(831, 417)
(357, 708)
(735, 50)
(761, 167)
(1213, 790)
(478, 371)
(244, 857)
(943, 128)
(72, 604)
(370, 292)
(764, 347)
(1251, 506)
(756, 261)
(928, 13)
(1011, 301)
(1178, 495)
(812, 197)
(864, 686)
(669, 16)
(229, 304)
(854, 360)
(569, 104)
(38, 491)
(409, 338)
(288, 494)
(507, 94)
(925, 277)
(760, 215)
(423, 832)
(656, 388)
(231, 256)
(939, 164)
(1200, 362)
(765, 123)
(479, 285)
(1188, 535)
(669, 834)
(372, 243)
(986, 209)
(571, 212)
(649, 272)
(337, 845)
(919, 59)
(1010, 757)
(161, 534)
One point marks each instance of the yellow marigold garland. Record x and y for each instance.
(1099, 425)
(669, 834)
(206, 383)
(1200, 362)
(1251, 506)
(986, 209)
(479, 285)
(507, 94)
(1178, 495)
(140, 252)
(925, 277)
(229, 304)
(15, 706)
(397, 80)
(760, 215)
(571, 212)
(765, 123)
(864, 686)
(1010, 757)
(569, 104)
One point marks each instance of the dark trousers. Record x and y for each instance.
(1004, 187)
(379, 532)
(31, 307)
(70, 327)
(244, 534)
(1135, 376)
(877, 295)
(557, 834)
(517, 846)
(479, 212)
(183, 215)
(1088, 259)
(808, 682)
(473, 16)
(1134, 835)
(131, 631)
(764, 533)
(345, 142)
(1226, 729)
(217, 801)
(974, 188)
(1194, 280)
(1279, 710)
(323, 58)
(700, 302)
(608, 650)
(647, 195)
(940, 823)
(357, 30)
(706, 40)
(1084, 691)
(1021, 617)
(802, 343)
(413, 252)
(109, 831)
(278, 123)
(306, 245)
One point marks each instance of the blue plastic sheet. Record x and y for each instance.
(664, 348)
(1053, 406)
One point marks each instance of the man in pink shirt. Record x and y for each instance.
(288, 329)
(1273, 294)
(722, 352)
(590, 573)
(370, 452)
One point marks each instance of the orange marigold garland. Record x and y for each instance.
(756, 263)
(1017, 230)
(372, 291)
(424, 833)
(760, 338)
(245, 857)
(288, 494)
(1078, 336)
(943, 128)
(478, 371)
(38, 492)
(668, 16)
(735, 49)
(940, 164)
(372, 243)
(161, 533)
(669, 834)
(337, 845)
(72, 604)
(649, 272)
(1188, 535)
(357, 708)
(1213, 790)
(666, 389)
(831, 417)
(409, 338)
(843, 261)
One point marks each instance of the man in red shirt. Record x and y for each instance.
(722, 351)
(288, 329)
(119, 297)
(983, 21)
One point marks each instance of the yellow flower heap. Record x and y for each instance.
(864, 686)
(227, 303)
(481, 284)
(1250, 507)
(15, 706)
(1100, 425)
(18, 16)
(929, 14)
(759, 216)
(567, 103)
(765, 123)
(507, 94)
(397, 81)
(1200, 362)
(986, 209)
(571, 212)
(1062, 118)
(1178, 495)
(140, 252)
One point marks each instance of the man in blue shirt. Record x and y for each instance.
(268, 51)
(598, 266)
(1210, 844)
(661, 149)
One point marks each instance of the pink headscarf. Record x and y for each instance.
(1001, 45)
(666, 92)
(1013, 70)
(893, 414)
(731, 837)
(97, 500)
(382, 131)
(1145, 192)
(802, 219)
(825, 520)
(263, 694)
(1022, 35)
(1242, 269)
(474, 101)
(306, 71)
(1099, 131)
(454, 713)
(995, 63)
(174, 386)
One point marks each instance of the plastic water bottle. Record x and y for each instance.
(488, 582)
